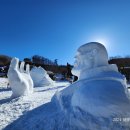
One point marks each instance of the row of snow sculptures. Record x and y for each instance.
(40, 77)
(98, 97)
(20, 80)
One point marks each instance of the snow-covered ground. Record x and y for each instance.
(11, 110)
(34, 111)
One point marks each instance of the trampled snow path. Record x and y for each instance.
(11, 110)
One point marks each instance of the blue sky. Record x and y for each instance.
(56, 28)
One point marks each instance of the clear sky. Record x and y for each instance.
(56, 28)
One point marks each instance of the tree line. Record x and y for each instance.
(37, 59)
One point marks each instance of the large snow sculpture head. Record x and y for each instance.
(19, 79)
(89, 56)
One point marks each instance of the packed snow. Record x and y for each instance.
(20, 80)
(99, 100)
(40, 77)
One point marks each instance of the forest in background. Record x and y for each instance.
(52, 66)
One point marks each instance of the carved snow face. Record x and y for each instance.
(82, 61)
(88, 56)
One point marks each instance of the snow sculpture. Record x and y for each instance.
(104, 85)
(99, 96)
(19, 80)
(40, 77)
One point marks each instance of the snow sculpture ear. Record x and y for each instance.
(27, 68)
(22, 67)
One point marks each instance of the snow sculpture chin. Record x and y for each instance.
(101, 90)
(19, 80)
(40, 77)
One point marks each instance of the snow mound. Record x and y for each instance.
(19, 80)
(40, 77)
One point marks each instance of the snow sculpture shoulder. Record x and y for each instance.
(40, 77)
(19, 80)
